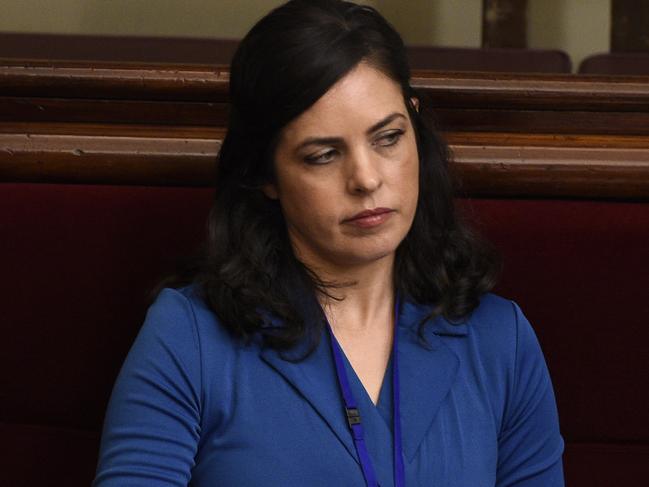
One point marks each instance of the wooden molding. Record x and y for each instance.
(210, 83)
(535, 92)
(124, 81)
(511, 135)
(552, 171)
(153, 161)
(484, 170)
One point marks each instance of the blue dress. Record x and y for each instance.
(194, 406)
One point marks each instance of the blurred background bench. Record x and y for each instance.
(215, 51)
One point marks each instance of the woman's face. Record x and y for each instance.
(347, 173)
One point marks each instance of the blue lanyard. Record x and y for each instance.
(354, 417)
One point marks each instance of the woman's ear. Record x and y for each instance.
(415, 102)
(270, 190)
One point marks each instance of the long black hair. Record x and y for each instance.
(249, 272)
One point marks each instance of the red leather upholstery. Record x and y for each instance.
(77, 262)
(580, 271)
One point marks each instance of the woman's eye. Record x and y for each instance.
(321, 158)
(389, 139)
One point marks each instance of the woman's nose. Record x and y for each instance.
(363, 175)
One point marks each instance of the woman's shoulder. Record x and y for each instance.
(504, 340)
(497, 333)
(510, 365)
(171, 299)
(183, 313)
(501, 323)
(496, 318)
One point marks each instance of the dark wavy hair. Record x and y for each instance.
(249, 272)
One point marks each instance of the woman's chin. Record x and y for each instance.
(368, 256)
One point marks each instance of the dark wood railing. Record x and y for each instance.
(511, 135)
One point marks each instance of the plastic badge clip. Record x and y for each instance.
(353, 416)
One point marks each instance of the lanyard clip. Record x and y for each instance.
(353, 416)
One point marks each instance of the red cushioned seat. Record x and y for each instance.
(46, 456)
(579, 270)
(77, 262)
(606, 464)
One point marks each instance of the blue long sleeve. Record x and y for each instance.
(529, 445)
(152, 425)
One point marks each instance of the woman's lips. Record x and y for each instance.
(370, 218)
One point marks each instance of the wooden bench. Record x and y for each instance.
(105, 174)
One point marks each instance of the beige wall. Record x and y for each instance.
(195, 18)
(579, 27)
(440, 22)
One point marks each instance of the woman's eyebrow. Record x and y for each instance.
(382, 123)
(319, 141)
(338, 140)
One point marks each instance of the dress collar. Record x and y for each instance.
(427, 372)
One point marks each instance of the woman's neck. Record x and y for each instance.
(366, 297)
(363, 321)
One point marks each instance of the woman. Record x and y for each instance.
(339, 331)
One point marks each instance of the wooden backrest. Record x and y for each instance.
(512, 135)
